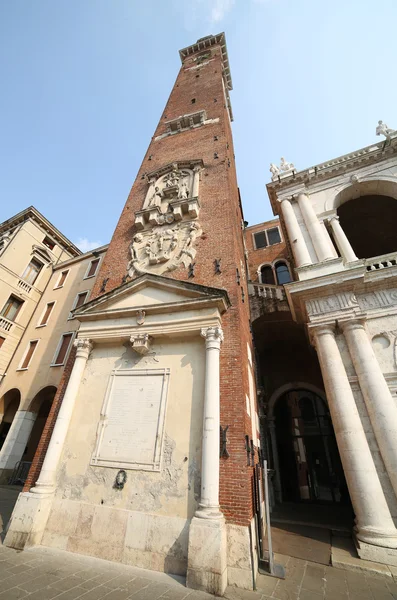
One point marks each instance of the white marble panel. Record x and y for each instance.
(130, 432)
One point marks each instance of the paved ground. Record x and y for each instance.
(45, 574)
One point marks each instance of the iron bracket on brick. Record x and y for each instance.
(248, 450)
(252, 448)
(192, 266)
(217, 263)
(104, 284)
(223, 450)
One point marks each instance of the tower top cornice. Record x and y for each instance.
(207, 42)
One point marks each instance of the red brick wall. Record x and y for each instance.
(39, 456)
(256, 258)
(220, 218)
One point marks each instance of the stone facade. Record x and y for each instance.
(151, 444)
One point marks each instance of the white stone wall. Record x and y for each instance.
(146, 523)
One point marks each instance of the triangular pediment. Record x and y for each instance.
(153, 293)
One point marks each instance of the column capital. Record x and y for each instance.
(288, 199)
(332, 218)
(83, 347)
(352, 324)
(213, 336)
(325, 329)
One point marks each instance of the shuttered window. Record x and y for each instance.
(47, 313)
(11, 308)
(61, 279)
(92, 268)
(32, 271)
(29, 354)
(63, 349)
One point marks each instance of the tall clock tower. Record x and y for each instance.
(162, 391)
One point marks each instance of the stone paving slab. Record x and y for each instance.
(48, 574)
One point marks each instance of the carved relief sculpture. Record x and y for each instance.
(172, 192)
(163, 249)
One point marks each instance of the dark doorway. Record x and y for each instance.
(369, 223)
(309, 462)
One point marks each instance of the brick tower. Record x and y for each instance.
(174, 273)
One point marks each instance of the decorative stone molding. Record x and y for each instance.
(213, 337)
(172, 193)
(83, 347)
(141, 343)
(163, 249)
(331, 304)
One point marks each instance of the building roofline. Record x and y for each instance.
(207, 42)
(277, 218)
(331, 168)
(91, 253)
(32, 213)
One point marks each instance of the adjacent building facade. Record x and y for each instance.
(202, 346)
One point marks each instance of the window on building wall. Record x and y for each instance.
(267, 275)
(32, 271)
(282, 273)
(2, 340)
(46, 314)
(11, 308)
(273, 236)
(92, 269)
(61, 279)
(29, 354)
(260, 240)
(268, 237)
(63, 349)
(48, 242)
(80, 299)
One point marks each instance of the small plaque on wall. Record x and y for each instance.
(131, 429)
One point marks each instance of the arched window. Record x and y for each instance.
(282, 273)
(267, 275)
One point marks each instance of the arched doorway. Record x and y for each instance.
(369, 224)
(308, 459)
(9, 405)
(41, 405)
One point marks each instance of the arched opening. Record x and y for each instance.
(369, 224)
(267, 275)
(308, 457)
(41, 405)
(10, 404)
(282, 273)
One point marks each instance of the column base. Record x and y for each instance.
(376, 553)
(207, 555)
(28, 521)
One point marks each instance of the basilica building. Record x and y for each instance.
(146, 384)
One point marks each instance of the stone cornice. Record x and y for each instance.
(327, 170)
(207, 42)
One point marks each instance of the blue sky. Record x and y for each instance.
(83, 84)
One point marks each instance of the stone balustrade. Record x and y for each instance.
(381, 262)
(26, 287)
(274, 292)
(5, 324)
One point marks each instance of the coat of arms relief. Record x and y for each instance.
(167, 223)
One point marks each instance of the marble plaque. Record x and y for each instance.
(130, 433)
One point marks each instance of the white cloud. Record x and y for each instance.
(85, 245)
(219, 10)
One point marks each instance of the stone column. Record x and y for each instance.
(16, 440)
(381, 406)
(46, 481)
(196, 179)
(207, 551)
(342, 242)
(374, 524)
(209, 501)
(298, 244)
(319, 236)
